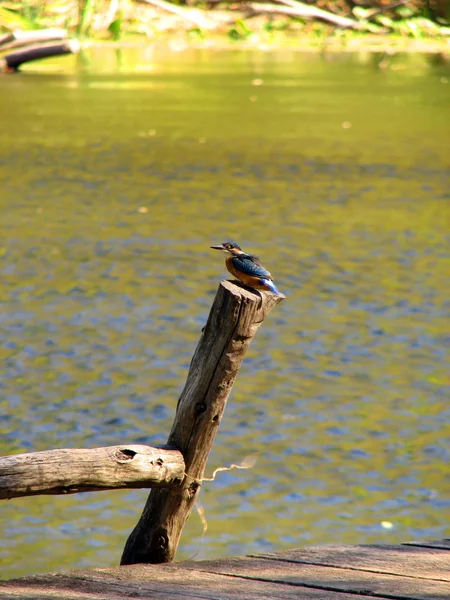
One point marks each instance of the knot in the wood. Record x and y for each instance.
(193, 488)
(200, 408)
(125, 454)
(161, 540)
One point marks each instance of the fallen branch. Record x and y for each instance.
(193, 15)
(12, 62)
(18, 39)
(298, 9)
(80, 470)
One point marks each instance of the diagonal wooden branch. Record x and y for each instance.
(193, 15)
(299, 9)
(233, 321)
(69, 471)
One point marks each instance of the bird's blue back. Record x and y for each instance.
(250, 267)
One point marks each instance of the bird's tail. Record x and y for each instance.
(271, 286)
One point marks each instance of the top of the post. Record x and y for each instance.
(266, 299)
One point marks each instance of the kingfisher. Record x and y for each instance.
(247, 268)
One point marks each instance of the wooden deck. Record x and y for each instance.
(412, 571)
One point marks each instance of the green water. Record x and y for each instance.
(118, 171)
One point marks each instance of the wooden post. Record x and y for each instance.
(69, 471)
(234, 319)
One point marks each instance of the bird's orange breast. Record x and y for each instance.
(231, 268)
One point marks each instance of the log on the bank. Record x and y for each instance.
(12, 62)
(198, 18)
(69, 471)
(299, 9)
(233, 321)
(17, 39)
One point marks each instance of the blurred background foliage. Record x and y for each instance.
(240, 19)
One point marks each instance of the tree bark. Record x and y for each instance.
(79, 470)
(234, 319)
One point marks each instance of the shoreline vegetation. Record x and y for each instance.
(402, 25)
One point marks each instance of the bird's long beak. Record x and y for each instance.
(221, 247)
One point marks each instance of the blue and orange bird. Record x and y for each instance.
(247, 268)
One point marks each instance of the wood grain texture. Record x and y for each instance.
(251, 578)
(156, 582)
(234, 319)
(438, 544)
(396, 560)
(69, 471)
(343, 579)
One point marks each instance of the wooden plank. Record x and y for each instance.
(394, 560)
(347, 580)
(168, 582)
(12, 62)
(316, 573)
(437, 544)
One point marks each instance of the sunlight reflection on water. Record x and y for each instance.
(342, 394)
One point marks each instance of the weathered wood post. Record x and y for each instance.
(233, 321)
